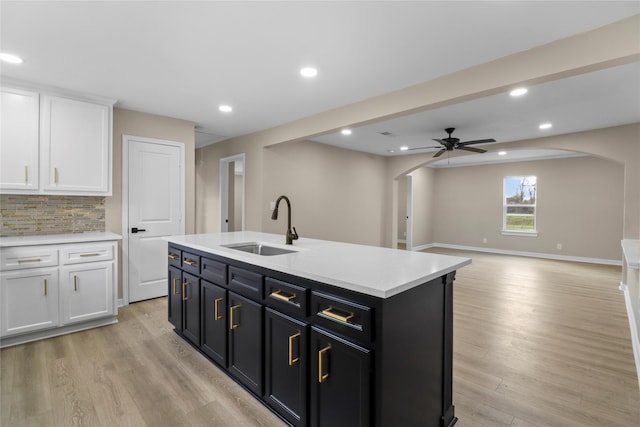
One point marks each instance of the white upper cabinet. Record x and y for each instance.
(75, 150)
(19, 140)
(55, 144)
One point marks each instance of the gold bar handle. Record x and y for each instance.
(175, 290)
(340, 315)
(45, 287)
(55, 175)
(216, 308)
(173, 256)
(89, 255)
(189, 261)
(23, 261)
(291, 359)
(184, 291)
(322, 377)
(26, 173)
(75, 283)
(279, 295)
(232, 310)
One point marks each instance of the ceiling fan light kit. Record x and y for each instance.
(450, 143)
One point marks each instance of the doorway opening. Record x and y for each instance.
(232, 190)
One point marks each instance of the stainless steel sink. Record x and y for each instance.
(259, 249)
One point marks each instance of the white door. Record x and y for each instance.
(155, 193)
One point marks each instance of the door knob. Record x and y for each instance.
(136, 229)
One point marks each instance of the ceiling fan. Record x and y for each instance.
(450, 143)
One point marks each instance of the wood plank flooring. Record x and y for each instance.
(536, 343)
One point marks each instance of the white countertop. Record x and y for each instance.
(56, 239)
(631, 249)
(380, 272)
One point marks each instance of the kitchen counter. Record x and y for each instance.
(375, 271)
(53, 239)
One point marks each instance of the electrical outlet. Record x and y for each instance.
(559, 246)
(484, 240)
(272, 205)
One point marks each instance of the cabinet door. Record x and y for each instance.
(340, 382)
(87, 292)
(29, 301)
(214, 322)
(245, 341)
(19, 140)
(175, 298)
(75, 146)
(191, 307)
(286, 366)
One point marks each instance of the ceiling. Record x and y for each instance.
(184, 59)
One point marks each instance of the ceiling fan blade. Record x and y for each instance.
(440, 141)
(439, 153)
(475, 150)
(421, 148)
(478, 141)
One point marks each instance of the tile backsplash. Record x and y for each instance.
(27, 215)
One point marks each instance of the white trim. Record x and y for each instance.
(125, 204)
(635, 338)
(223, 190)
(56, 331)
(519, 233)
(423, 247)
(522, 253)
(409, 221)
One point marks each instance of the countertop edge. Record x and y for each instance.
(56, 239)
(631, 250)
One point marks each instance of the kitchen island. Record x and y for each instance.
(323, 333)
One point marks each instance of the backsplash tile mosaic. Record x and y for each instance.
(28, 215)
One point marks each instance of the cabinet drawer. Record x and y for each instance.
(175, 257)
(246, 283)
(342, 316)
(28, 257)
(286, 297)
(214, 271)
(191, 263)
(86, 253)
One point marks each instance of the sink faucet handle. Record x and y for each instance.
(294, 235)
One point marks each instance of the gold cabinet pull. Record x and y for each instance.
(340, 315)
(45, 287)
(291, 359)
(173, 256)
(184, 291)
(216, 309)
(279, 295)
(75, 283)
(232, 310)
(189, 261)
(55, 175)
(89, 255)
(23, 261)
(322, 377)
(26, 173)
(175, 287)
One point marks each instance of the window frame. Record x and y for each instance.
(527, 233)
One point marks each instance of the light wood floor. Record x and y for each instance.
(536, 343)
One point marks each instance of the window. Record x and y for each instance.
(519, 205)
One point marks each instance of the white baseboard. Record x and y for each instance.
(520, 253)
(635, 338)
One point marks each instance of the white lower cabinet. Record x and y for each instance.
(87, 292)
(29, 300)
(49, 290)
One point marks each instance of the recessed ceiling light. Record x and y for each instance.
(404, 148)
(346, 131)
(502, 153)
(12, 59)
(391, 151)
(545, 126)
(308, 72)
(225, 108)
(518, 92)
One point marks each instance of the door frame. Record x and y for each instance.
(224, 187)
(409, 237)
(125, 201)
